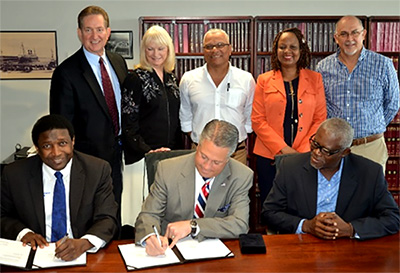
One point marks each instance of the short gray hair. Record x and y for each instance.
(216, 30)
(339, 128)
(222, 133)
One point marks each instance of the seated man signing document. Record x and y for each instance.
(330, 192)
(59, 195)
(202, 194)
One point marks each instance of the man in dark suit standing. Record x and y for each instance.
(330, 192)
(89, 96)
(58, 193)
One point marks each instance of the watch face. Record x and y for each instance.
(193, 223)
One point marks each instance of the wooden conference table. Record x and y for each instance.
(285, 253)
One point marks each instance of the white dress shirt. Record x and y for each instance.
(202, 101)
(93, 60)
(49, 181)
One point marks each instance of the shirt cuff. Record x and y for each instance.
(95, 241)
(22, 233)
(299, 229)
(143, 241)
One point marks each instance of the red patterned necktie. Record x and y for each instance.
(109, 95)
(202, 200)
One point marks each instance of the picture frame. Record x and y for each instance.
(121, 42)
(28, 54)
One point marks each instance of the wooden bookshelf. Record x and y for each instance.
(384, 38)
(187, 34)
(318, 31)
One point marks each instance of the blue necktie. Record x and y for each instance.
(59, 215)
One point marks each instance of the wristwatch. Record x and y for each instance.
(193, 225)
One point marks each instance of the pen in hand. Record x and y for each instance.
(157, 234)
(63, 239)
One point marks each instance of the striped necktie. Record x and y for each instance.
(202, 199)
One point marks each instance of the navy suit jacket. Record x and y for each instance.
(92, 206)
(363, 198)
(76, 94)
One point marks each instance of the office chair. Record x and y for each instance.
(152, 159)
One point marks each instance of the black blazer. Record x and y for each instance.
(363, 198)
(92, 206)
(76, 94)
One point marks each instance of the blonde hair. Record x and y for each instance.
(160, 37)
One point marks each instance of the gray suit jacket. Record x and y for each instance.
(363, 197)
(92, 206)
(172, 199)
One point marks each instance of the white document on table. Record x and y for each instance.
(192, 249)
(135, 257)
(13, 253)
(45, 258)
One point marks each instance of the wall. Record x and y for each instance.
(23, 102)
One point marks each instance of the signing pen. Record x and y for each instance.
(157, 234)
(63, 239)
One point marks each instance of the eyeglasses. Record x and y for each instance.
(325, 151)
(217, 46)
(353, 34)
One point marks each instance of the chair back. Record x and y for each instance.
(152, 159)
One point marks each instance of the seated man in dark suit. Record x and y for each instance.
(330, 192)
(203, 194)
(83, 208)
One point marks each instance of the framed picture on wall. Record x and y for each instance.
(121, 42)
(27, 54)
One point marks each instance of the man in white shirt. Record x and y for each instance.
(87, 216)
(217, 90)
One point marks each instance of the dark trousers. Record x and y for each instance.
(116, 175)
(266, 174)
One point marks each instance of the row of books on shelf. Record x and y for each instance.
(188, 36)
(385, 36)
(264, 64)
(187, 63)
(396, 196)
(392, 173)
(319, 35)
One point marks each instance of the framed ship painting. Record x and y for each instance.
(27, 54)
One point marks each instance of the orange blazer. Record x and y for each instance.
(269, 111)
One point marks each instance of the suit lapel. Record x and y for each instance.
(185, 186)
(77, 184)
(277, 82)
(348, 185)
(118, 69)
(36, 188)
(309, 181)
(218, 189)
(303, 83)
(93, 83)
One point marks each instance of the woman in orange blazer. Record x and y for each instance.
(289, 105)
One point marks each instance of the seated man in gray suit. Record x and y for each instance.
(58, 194)
(202, 194)
(330, 192)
